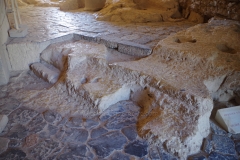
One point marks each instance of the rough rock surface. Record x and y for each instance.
(210, 8)
(128, 11)
(166, 104)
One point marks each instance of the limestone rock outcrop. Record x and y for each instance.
(139, 11)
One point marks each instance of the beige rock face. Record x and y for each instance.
(128, 11)
(94, 5)
(69, 5)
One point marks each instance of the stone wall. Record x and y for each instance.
(229, 9)
(4, 27)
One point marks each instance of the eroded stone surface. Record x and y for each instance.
(215, 155)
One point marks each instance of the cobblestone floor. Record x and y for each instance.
(48, 134)
(43, 133)
(46, 23)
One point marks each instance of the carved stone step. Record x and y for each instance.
(45, 73)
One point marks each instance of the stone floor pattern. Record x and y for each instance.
(33, 134)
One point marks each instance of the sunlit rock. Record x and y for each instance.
(138, 11)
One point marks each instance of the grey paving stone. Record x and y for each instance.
(107, 143)
(18, 132)
(237, 146)
(37, 124)
(13, 154)
(44, 149)
(130, 132)
(121, 120)
(98, 132)
(137, 148)
(49, 130)
(218, 156)
(75, 122)
(223, 144)
(89, 123)
(120, 107)
(216, 129)
(119, 156)
(63, 121)
(60, 133)
(25, 116)
(112, 111)
(207, 145)
(77, 150)
(52, 117)
(73, 135)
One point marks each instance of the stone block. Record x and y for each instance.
(229, 119)
(21, 55)
(3, 122)
(134, 49)
(21, 32)
(45, 73)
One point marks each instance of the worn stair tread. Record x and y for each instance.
(44, 72)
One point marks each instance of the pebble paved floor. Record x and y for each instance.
(47, 134)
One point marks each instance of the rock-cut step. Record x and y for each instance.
(47, 74)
